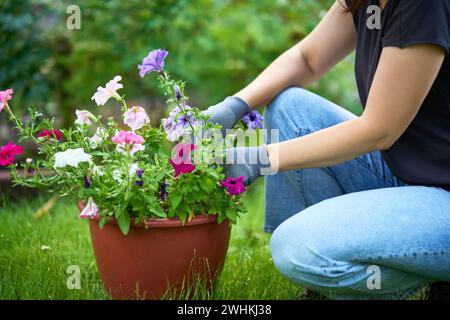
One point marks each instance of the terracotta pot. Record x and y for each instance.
(164, 260)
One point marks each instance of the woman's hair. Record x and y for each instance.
(354, 5)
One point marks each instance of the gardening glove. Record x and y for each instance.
(250, 162)
(227, 112)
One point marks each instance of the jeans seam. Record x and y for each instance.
(402, 253)
(299, 173)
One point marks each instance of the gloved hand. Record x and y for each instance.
(251, 162)
(228, 112)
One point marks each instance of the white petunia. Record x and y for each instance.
(133, 168)
(99, 136)
(90, 210)
(84, 117)
(97, 171)
(110, 91)
(71, 157)
(136, 118)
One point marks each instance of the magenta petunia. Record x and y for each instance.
(8, 152)
(234, 186)
(182, 162)
(154, 62)
(51, 135)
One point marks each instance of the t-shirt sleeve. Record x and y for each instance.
(419, 22)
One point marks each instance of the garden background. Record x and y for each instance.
(218, 46)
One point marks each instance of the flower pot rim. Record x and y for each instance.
(159, 223)
(166, 222)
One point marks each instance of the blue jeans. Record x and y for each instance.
(352, 231)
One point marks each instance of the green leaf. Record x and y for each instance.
(175, 201)
(231, 215)
(103, 222)
(124, 221)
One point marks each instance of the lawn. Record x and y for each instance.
(35, 254)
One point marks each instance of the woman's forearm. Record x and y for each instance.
(290, 69)
(327, 147)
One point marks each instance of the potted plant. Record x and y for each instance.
(159, 221)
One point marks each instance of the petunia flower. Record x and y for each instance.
(84, 117)
(177, 124)
(139, 183)
(8, 152)
(253, 120)
(234, 186)
(110, 91)
(178, 93)
(90, 210)
(182, 162)
(97, 171)
(87, 182)
(47, 134)
(71, 157)
(128, 142)
(136, 118)
(5, 96)
(99, 136)
(154, 62)
(163, 191)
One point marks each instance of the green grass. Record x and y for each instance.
(29, 272)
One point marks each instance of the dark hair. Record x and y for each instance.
(355, 5)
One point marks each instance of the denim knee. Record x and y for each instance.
(302, 111)
(287, 103)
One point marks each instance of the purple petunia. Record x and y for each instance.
(163, 191)
(178, 93)
(253, 120)
(139, 173)
(154, 62)
(177, 125)
(139, 183)
(87, 182)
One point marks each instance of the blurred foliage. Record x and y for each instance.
(25, 53)
(218, 46)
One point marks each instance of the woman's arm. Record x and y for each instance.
(332, 40)
(402, 81)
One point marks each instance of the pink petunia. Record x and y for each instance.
(234, 186)
(128, 141)
(182, 162)
(5, 96)
(8, 152)
(56, 134)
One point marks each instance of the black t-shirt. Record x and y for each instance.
(421, 156)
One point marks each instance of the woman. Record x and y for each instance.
(360, 206)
